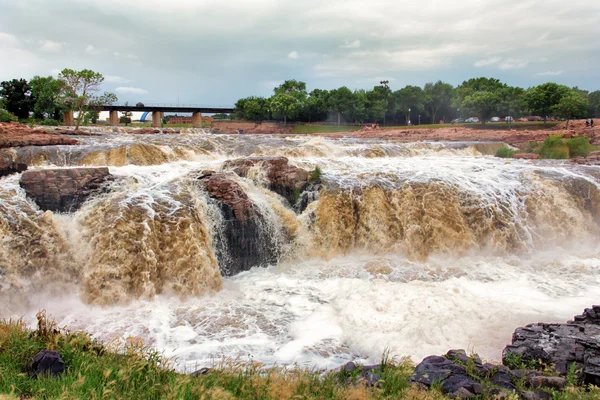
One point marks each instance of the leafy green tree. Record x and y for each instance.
(126, 116)
(542, 99)
(316, 108)
(360, 107)
(289, 99)
(571, 105)
(46, 93)
(91, 117)
(409, 98)
(437, 95)
(482, 104)
(340, 101)
(17, 97)
(291, 86)
(80, 92)
(594, 104)
(252, 108)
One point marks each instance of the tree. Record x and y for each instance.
(91, 117)
(79, 92)
(289, 99)
(482, 104)
(17, 97)
(252, 109)
(437, 95)
(594, 101)
(409, 98)
(126, 116)
(315, 107)
(572, 104)
(542, 99)
(46, 92)
(340, 101)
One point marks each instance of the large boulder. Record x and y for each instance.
(46, 363)
(574, 343)
(286, 180)
(451, 375)
(243, 242)
(8, 167)
(64, 190)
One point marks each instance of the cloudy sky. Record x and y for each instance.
(214, 52)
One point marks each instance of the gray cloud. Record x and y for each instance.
(202, 51)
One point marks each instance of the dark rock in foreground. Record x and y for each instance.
(284, 179)
(46, 363)
(64, 190)
(575, 344)
(8, 167)
(244, 241)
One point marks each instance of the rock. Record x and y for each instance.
(243, 242)
(46, 363)
(592, 159)
(8, 167)
(349, 367)
(554, 382)
(14, 134)
(526, 156)
(64, 190)
(200, 372)
(286, 180)
(451, 376)
(531, 395)
(563, 345)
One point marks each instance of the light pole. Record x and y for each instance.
(419, 119)
(408, 121)
(386, 87)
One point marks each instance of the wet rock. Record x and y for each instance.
(562, 345)
(592, 159)
(14, 134)
(531, 395)
(64, 190)
(554, 382)
(244, 242)
(286, 180)
(46, 363)
(200, 372)
(8, 167)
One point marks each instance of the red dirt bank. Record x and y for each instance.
(14, 134)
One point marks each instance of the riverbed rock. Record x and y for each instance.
(8, 167)
(244, 240)
(452, 377)
(592, 159)
(64, 190)
(14, 134)
(46, 363)
(282, 178)
(562, 345)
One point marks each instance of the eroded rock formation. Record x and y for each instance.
(14, 134)
(64, 190)
(8, 167)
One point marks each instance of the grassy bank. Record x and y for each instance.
(132, 371)
(308, 129)
(554, 147)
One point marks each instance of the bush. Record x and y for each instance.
(49, 122)
(5, 116)
(315, 176)
(554, 147)
(505, 152)
(579, 146)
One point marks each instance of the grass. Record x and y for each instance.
(133, 371)
(555, 147)
(315, 175)
(505, 152)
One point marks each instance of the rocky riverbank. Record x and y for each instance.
(544, 361)
(14, 134)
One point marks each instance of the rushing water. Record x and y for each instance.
(413, 247)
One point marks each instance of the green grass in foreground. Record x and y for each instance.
(132, 371)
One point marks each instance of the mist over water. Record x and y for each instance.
(415, 247)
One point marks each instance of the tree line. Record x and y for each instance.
(478, 97)
(48, 98)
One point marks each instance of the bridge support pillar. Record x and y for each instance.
(156, 122)
(197, 120)
(68, 119)
(113, 118)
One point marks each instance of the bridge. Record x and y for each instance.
(157, 111)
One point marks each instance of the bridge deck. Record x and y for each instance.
(169, 108)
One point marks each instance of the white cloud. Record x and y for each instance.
(351, 45)
(115, 79)
(116, 54)
(130, 90)
(294, 55)
(487, 61)
(50, 46)
(513, 63)
(549, 73)
(132, 56)
(90, 49)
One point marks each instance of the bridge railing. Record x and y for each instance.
(134, 105)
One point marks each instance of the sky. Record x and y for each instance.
(214, 52)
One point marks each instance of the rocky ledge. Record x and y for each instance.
(8, 167)
(284, 179)
(592, 159)
(242, 243)
(64, 190)
(14, 134)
